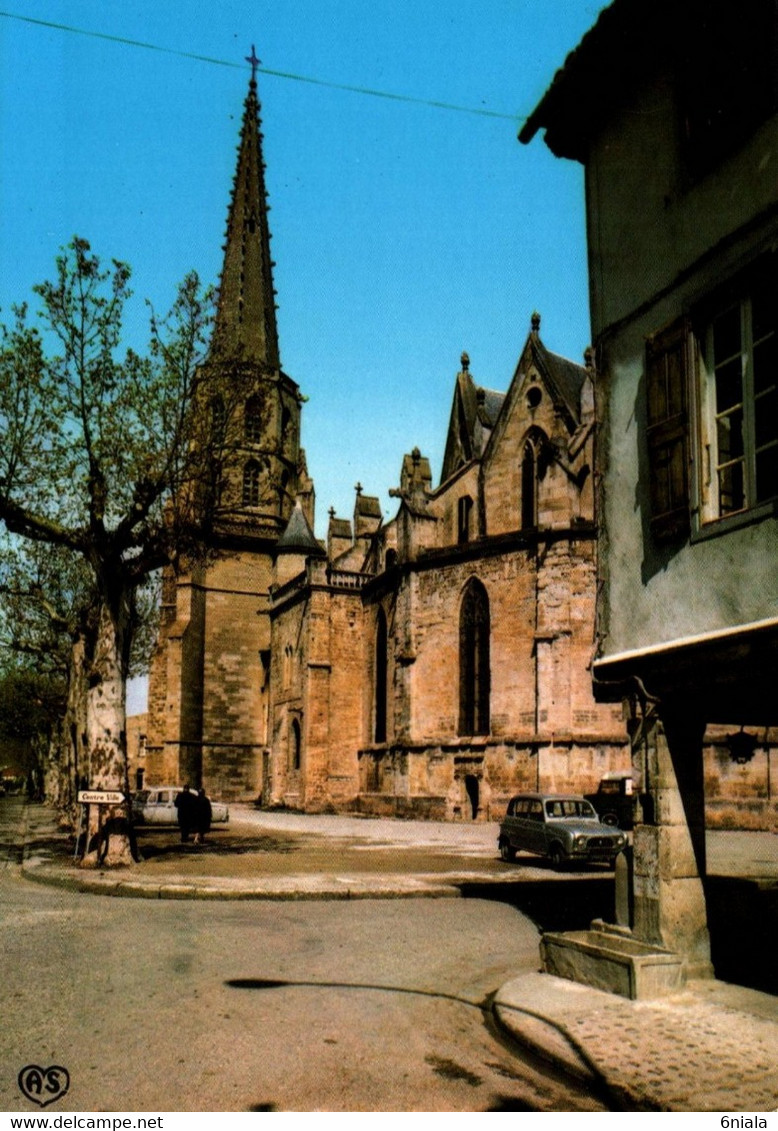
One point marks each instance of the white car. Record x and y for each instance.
(157, 806)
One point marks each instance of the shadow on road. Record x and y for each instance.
(554, 905)
(742, 918)
(172, 848)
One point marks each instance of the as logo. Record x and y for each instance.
(44, 1085)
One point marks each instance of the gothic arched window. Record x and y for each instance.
(252, 419)
(218, 420)
(283, 487)
(529, 487)
(381, 671)
(251, 473)
(474, 679)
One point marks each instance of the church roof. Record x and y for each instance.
(246, 316)
(489, 405)
(298, 538)
(415, 471)
(566, 376)
(368, 505)
(340, 527)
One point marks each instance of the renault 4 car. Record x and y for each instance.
(562, 827)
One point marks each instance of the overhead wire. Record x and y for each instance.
(369, 91)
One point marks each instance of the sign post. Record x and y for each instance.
(87, 797)
(100, 797)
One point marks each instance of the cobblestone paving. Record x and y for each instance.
(685, 1055)
(713, 1047)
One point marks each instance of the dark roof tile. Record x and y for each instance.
(298, 538)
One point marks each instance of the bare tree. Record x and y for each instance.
(108, 457)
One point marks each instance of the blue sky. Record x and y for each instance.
(403, 233)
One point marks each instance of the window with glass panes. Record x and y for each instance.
(251, 484)
(252, 416)
(740, 404)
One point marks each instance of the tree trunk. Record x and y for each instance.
(109, 837)
(69, 743)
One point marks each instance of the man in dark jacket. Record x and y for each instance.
(202, 816)
(185, 804)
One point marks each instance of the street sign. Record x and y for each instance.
(100, 797)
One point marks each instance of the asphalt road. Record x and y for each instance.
(305, 1006)
(361, 1005)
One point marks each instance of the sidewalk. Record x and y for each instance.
(713, 1047)
(276, 856)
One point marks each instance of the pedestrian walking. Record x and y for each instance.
(202, 816)
(185, 803)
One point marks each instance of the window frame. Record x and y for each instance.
(252, 419)
(218, 420)
(251, 490)
(739, 295)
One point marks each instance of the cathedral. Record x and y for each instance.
(427, 666)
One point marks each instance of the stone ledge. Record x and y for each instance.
(614, 962)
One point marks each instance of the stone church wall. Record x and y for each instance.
(545, 729)
(318, 676)
(287, 698)
(237, 635)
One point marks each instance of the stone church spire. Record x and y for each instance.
(246, 326)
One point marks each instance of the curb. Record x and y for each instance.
(549, 1039)
(546, 1039)
(335, 888)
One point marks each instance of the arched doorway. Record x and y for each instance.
(473, 790)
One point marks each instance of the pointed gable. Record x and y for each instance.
(559, 384)
(540, 434)
(473, 415)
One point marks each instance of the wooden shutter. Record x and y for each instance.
(667, 432)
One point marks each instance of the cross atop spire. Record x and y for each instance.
(252, 58)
